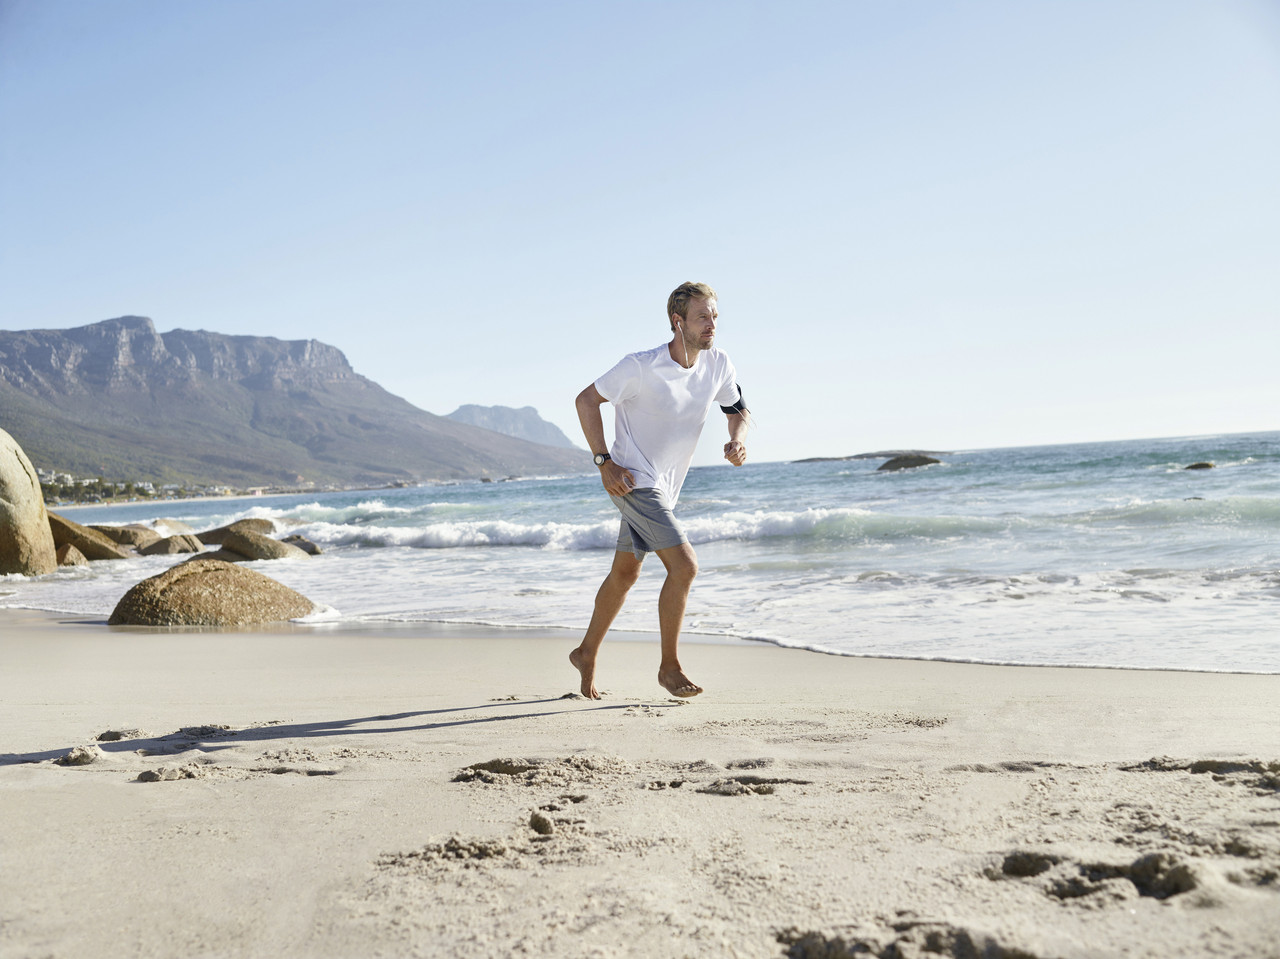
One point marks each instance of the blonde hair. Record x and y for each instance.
(678, 301)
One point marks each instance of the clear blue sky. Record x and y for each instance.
(932, 224)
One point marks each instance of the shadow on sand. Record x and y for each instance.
(214, 738)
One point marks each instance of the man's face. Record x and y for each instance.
(699, 323)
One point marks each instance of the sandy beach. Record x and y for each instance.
(301, 792)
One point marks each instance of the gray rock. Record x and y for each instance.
(303, 544)
(68, 555)
(1200, 466)
(138, 537)
(26, 542)
(208, 592)
(256, 546)
(93, 544)
(215, 537)
(907, 462)
(222, 554)
(171, 545)
(879, 455)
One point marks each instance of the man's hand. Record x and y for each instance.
(617, 480)
(735, 452)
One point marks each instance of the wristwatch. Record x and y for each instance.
(600, 458)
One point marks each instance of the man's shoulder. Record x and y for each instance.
(718, 359)
(627, 374)
(646, 358)
(651, 355)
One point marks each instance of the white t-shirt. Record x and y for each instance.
(659, 410)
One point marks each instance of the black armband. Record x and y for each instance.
(738, 407)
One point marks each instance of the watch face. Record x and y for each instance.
(600, 458)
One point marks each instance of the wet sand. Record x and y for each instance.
(307, 792)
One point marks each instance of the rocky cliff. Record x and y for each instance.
(127, 355)
(119, 399)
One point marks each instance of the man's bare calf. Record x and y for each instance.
(609, 599)
(682, 567)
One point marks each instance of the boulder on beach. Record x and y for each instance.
(68, 555)
(221, 553)
(256, 546)
(1200, 466)
(26, 542)
(215, 537)
(138, 537)
(907, 462)
(172, 545)
(208, 592)
(93, 544)
(304, 544)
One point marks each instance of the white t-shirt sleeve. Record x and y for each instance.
(621, 383)
(728, 394)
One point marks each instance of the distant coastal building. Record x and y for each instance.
(49, 476)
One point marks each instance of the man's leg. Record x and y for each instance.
(682, 566)
(609, 599)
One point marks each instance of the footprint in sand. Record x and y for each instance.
(903, 938)
(748, 785)
(544, 772)
(1261, 776)
(117, 735)
(1161, 875)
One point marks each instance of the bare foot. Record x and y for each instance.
(677, 683)
(588, 670)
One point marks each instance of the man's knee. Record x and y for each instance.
(690, 569)
(681, 563)
(626, 571)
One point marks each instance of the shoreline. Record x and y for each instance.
(191, 499)
(441, 629)
(424, 484)
(1163, 582)
(316, 793)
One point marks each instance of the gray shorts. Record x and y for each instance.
(648, 523)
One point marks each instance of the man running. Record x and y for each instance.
(661, 398)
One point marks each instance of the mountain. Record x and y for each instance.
(524, 423)
(120, 400)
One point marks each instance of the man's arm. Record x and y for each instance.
(734, 450)
(617, 480)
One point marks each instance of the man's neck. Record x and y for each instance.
(682, 353)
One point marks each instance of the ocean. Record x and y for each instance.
(1098, 554)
